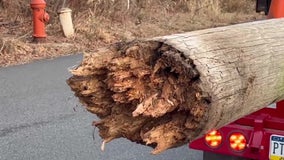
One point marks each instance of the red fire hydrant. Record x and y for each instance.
(40, 17)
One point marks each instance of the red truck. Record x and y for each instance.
(259, 135)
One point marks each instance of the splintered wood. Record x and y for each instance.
(143, 91)
(170, 90)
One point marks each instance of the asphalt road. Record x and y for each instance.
(40, 119)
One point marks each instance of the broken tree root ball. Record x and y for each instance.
(146, 92)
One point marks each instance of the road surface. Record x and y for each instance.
(40, 119)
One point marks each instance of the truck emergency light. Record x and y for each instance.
(237, 141)
(213, 139)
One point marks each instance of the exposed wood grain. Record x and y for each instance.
(241, 66)
(166, 91)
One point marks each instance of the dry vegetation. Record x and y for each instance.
(100, 22)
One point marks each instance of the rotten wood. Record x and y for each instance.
(166, 91)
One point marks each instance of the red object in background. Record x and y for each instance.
(276, 9)
(257, 127)
(40, 17)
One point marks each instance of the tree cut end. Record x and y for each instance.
(146, 92)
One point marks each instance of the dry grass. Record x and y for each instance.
(238, 6)
(100, 22)
(139, 11)
(118, 10)
(146, 18)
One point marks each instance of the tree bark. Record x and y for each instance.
(169, 90)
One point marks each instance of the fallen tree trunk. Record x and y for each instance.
(169, 90)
